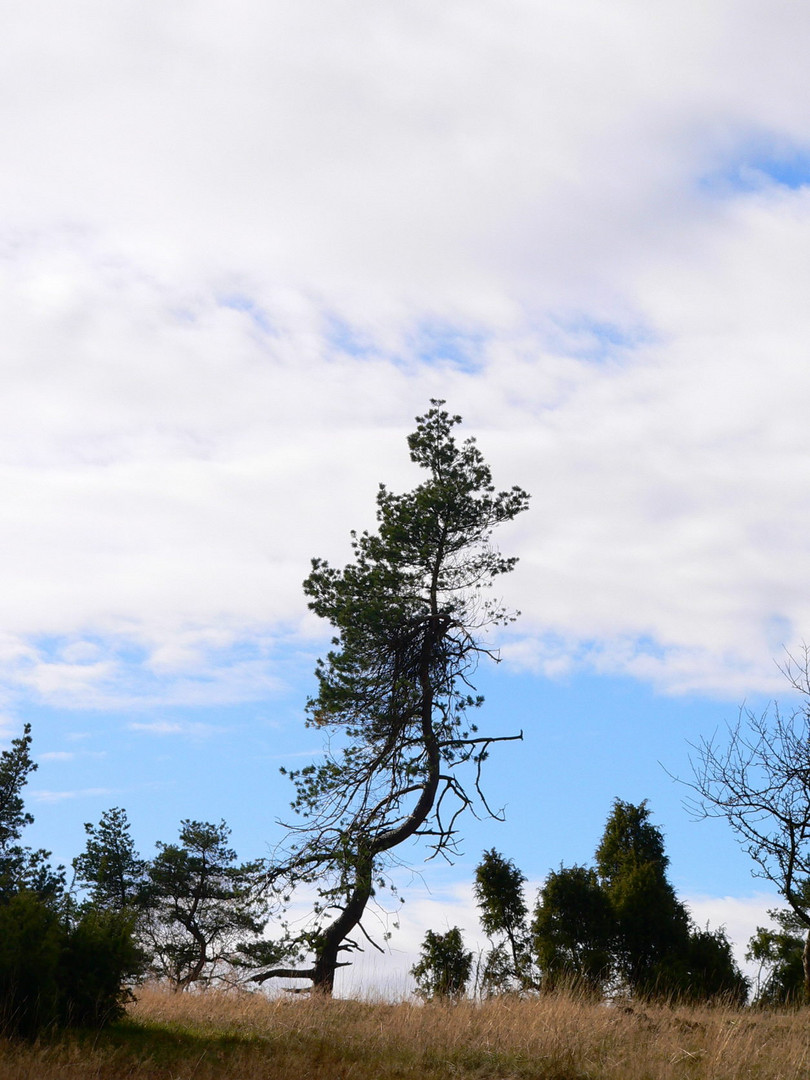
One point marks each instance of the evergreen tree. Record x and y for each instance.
(109, 865)
(574, 930)
(59, 964)
(444, 966)
(202, 908)
(652, 925)
(408, 616)
(21, 867)
(710, 970)
(498, 889)
(16, 765)
(622, 924)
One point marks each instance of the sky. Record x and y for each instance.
(243, 245)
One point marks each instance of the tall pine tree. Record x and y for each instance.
(409, 616)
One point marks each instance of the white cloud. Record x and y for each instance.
(241, 247)
(45, 796)
(169, 727)
(70, 755)
(740, 916)
(456, 161)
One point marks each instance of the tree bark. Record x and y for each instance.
(326, 960)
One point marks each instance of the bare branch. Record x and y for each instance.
(759, 781)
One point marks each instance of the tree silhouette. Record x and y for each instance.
(758, 779)
(498, 889)
(409, 616)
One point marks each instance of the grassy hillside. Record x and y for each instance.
(246, 1037)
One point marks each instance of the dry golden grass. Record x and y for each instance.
(247, 1037)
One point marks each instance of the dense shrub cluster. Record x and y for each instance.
(191, 915)
(60, 963)
(57, 970)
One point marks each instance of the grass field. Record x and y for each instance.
(238, 1036)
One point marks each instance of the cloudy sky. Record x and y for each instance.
(241, 247)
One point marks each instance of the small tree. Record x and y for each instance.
(100, 961)
(21, 867)
(16, 765)
(574, 930)
(109, 865)
(409, 616)
(444, 966)
(202, 908)
(59, 964)
(495, 971)
(498, 889)
(758, 779)
(709, 970)
(780, 954)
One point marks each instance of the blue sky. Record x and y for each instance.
(241, 247)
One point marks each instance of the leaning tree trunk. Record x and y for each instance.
(328, 949)
(326, 960)
(328, 952)
(806, 968)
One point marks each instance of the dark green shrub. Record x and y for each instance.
(444, 966)
(98, 958)
(59, 965)
(31, 945)
(55, 971)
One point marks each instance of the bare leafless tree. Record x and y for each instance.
(757, 777)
